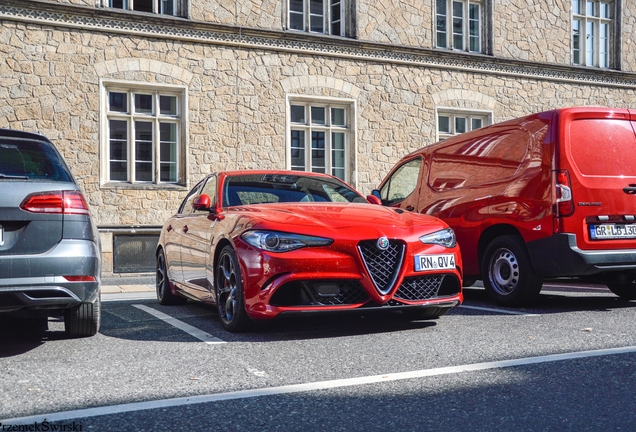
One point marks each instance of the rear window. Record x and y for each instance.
(603, 147)
(33, 160)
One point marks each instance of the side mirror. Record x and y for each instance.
(202, 202)
(374, 199)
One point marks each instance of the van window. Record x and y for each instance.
(402, 183)
(603, 147)
(480, 160)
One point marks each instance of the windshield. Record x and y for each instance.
(274, 188)
(30, 160)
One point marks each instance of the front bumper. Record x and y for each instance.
(315, 280)
(38, 282)
(559, 256)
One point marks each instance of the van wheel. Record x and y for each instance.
(507, 272)
(626, 291)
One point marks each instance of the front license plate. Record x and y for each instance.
(434, 262)
(612, 231)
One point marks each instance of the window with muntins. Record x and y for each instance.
(165, 7)
(459, 24)
(319, 137)
(450, 123)
(144, 135)
(592, 29)
(318, 16)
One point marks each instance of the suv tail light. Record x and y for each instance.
(61, 202)
(564, 201)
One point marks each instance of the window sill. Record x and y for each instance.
(144, 186)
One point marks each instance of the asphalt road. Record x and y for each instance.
(568, 364)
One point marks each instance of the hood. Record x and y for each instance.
(317, 217)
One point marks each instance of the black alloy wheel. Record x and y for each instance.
(229, 293)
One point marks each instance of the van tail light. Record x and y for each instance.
(60, 202)
(564, 201)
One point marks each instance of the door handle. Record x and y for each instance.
(631, 189)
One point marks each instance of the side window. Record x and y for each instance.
(484, 159)
(402, 183)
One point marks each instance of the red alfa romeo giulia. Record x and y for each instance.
(261, 243)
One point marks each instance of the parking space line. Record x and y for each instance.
(315, 386)
(502, 311)
(192, 331)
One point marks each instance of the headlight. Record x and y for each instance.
(444, 238)
(276, 241)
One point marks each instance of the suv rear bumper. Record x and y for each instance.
(38, 282)
(559, 256)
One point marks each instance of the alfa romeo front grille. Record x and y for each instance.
(419, 288)
(383, 265)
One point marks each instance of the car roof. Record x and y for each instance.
(283, 172)
(14, 133)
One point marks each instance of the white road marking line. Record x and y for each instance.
(315, 386)
(193, 331)
(503, 311)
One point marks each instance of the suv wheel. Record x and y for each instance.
(507, 272)
(84, 320)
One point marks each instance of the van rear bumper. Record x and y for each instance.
(559, 256)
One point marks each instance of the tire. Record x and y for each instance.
(425, 313)
(626, 291)
(507, 273)
(83, 321)
(230, 301)
(164, 293)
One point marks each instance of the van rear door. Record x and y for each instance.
(598, 152)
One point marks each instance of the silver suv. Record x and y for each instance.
(50, 257)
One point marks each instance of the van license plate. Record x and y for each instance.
(434, 262)
(612, 231)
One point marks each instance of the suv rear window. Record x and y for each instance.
(34, 160)
(603, 147)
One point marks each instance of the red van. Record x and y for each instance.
(549, 195)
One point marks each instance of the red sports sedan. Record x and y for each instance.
(261, 243)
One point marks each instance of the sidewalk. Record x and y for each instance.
(127, 285)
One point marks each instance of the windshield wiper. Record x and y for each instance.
(6, 176)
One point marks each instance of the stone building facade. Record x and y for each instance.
(145, 97)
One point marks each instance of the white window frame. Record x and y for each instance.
(328, 21)
(448, 36)
(131, 117)
(158, 6)
(454, 114)
(592, 18)
(306, 128)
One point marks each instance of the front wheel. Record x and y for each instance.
(507, 273)
(228, 285)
